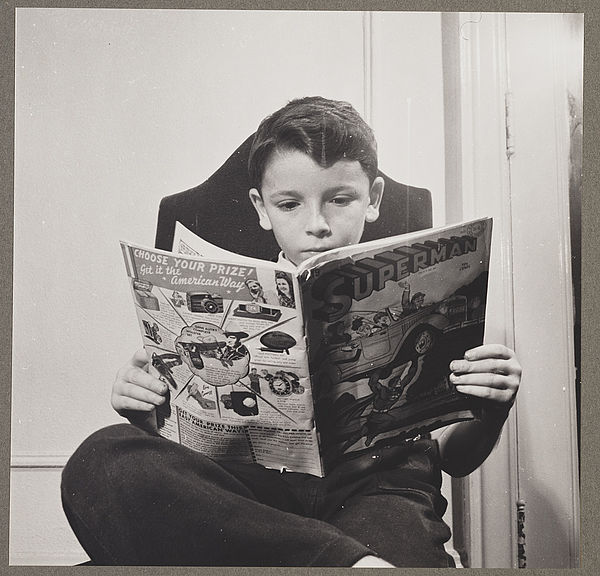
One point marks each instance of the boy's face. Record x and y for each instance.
(312, 209)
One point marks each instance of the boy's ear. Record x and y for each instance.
(259, 206)
(375, 196)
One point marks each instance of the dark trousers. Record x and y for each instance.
(133, 498)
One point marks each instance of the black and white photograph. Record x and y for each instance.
(239, 237)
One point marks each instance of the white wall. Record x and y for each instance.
(407, 101)
(117, 108)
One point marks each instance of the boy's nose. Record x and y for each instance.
(317, 224)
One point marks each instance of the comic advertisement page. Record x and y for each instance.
(384, 320)
(228, 340)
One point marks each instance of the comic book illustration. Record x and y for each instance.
(384, 323)
(298, 368)
(232, 353)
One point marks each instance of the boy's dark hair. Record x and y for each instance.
(326, 130)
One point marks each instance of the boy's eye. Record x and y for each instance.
(288, 205)
(341, 200)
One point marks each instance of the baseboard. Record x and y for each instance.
(46, 559)
(38, 460)
(39, 534)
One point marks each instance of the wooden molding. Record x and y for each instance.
(19, 461)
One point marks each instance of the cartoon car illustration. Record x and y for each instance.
(204, 302)
(402, 335)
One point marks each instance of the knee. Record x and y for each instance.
(95, 457)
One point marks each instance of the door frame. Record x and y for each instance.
(496, 165)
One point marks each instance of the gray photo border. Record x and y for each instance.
(590, 439)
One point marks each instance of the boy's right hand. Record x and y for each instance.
(135, 392)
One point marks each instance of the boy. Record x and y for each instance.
(135, 498)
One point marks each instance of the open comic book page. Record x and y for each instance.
(186, 242)
(384, 321)
(231, 349)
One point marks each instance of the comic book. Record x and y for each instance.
(299, 368)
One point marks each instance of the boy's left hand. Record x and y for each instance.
(491, 372)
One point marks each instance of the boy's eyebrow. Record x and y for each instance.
(341, 188)
(333, 190)
(278, 193)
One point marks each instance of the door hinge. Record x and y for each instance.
(508, 110)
